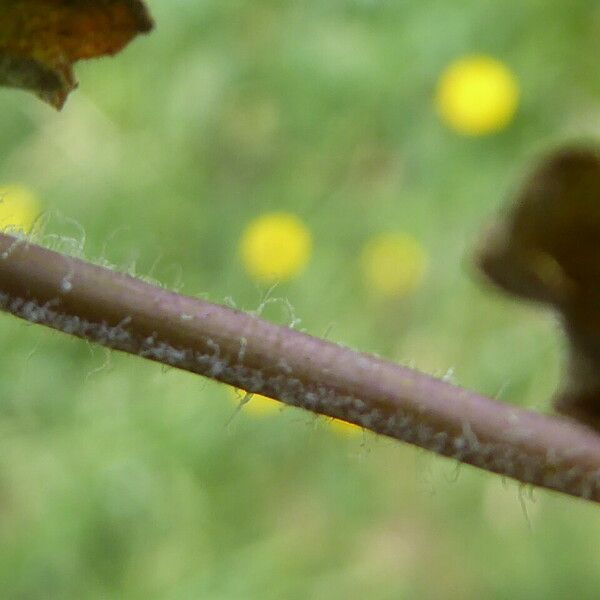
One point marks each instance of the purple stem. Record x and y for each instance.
(125, 313)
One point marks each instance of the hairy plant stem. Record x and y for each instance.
(128, 314)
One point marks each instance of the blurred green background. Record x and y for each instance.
(120, 480)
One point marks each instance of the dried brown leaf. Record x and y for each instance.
(40, 40)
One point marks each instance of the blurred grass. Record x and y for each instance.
(118, 480)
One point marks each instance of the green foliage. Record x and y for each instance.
(127, 482)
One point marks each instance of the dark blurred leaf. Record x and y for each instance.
(41, 39)
(547, 248)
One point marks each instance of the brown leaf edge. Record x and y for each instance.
(52, 83)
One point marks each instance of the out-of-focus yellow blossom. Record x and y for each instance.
(344, 427)
(275, 247)
(256, 403)
(477, 95)
(393, 264)
(18, 208)
(260, 405)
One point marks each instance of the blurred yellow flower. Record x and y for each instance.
(18, 208)
(343, 427)
(256, 403)
(393, 264)
(275, 247)
(260, 405)
(477, 95)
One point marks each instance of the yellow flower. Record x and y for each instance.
(344, 428)
(259, 405)
(393, 264)
(18, 208)
(477, 95)
(275, 247)
(256, 403)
